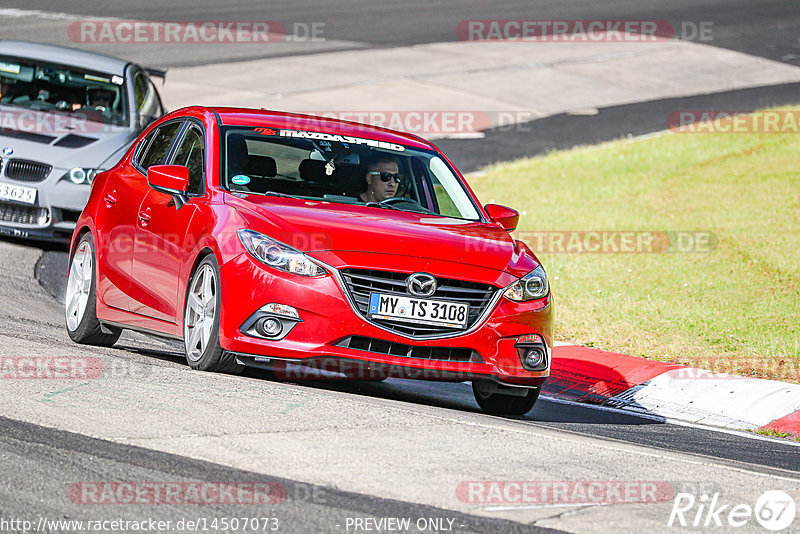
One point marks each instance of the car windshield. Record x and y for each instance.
(337, 168)
(41, 86)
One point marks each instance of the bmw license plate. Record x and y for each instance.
(17, 193)
(422, 311)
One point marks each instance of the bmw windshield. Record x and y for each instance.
(343, 169)
(49, 87)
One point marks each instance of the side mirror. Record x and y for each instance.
(171, 180)
(505, 217)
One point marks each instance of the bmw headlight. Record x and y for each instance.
(81, 175)
(532, 286)
(279, 255)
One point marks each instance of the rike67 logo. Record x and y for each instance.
(774, 510)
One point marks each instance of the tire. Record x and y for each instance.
(500, 404)
(80, 305)
(201, 321)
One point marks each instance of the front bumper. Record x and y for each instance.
(52, 217)
(328, 320)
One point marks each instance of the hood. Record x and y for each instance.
(61, 141)
(318, 227)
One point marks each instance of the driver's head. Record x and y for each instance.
(383, 179)
(101, 97)
(5, 86)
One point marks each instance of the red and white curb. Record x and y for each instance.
(676, 392)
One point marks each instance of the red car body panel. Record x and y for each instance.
(147, 250)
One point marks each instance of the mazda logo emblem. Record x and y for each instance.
(421, 284)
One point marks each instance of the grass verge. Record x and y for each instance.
(731, 305)
(776, 434)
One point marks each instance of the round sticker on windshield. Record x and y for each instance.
(240, 179)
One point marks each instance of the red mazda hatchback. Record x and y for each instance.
(290, 242)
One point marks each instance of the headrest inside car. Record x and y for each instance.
(312, 170)
(261, 166)
(350, 179)
(237, 153)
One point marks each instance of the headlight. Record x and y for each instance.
(80, 175)
(278, 255)
(530, 287)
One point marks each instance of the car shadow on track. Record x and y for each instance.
(51, 268)
(55, 246)
(458, 396)
(449, 395)
(166, 355)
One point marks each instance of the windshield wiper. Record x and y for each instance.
(379, 205)
(283, 195)
(416, 207)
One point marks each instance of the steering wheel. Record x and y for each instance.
(396, 200)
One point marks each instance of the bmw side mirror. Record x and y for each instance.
(504, 216)
(171, 180)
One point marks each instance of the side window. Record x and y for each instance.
(446, 205)
(190, 154)
(159, 108)
(141, 148)
(148, 103)
(159, 145)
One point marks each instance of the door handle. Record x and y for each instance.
(144, 216)
(111, 198)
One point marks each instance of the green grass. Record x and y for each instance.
(776, 433)
(734, 309)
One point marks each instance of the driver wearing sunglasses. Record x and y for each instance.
(383, 179)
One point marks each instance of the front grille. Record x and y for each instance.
(445, 354)
(14, 213)
(361, 282)
(27, 171)
(70, 215)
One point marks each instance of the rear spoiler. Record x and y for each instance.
(157, 73)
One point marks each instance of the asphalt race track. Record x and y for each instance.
(769, 31)
(338, 452)
(149, 418)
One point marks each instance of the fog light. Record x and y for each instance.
(533, 352)
(270, 327)
(272, 321)
(534, 357)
